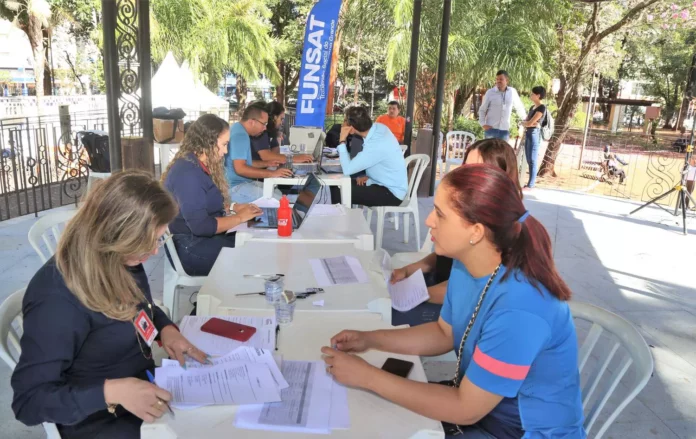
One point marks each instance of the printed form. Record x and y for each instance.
(215, 345)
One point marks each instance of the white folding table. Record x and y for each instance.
(226, 279)
(340, 180)
(370, 415)
(351, 228)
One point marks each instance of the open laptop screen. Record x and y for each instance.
(306, 198)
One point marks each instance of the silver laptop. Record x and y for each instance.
(314, 166)
(303, 204)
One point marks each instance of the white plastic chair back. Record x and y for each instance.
(10, 312)
(422, 161)
(457, 142)
(403, 149)
(48, 230)
(175, 258)
(620, 346)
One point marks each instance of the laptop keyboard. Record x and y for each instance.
(271, 216)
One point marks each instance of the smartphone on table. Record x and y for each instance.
(223, 328)
(398, 367)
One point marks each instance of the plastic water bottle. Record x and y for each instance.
(285, 308)
(273, 289)
(284, 217)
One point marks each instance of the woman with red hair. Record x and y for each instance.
(505, 314)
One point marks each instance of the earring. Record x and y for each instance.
(471, 242)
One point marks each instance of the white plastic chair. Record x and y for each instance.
(403, 149)
(405, 258)
(637, 353)
(408, 205)
(48, 229)
(457, 142)
(175, 277)
(11, 311)
(97, 175)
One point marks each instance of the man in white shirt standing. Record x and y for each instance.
(496, 108)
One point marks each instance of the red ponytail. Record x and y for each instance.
(484, 194)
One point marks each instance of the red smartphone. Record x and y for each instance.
(223, 328)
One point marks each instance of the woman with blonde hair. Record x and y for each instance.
(196, 179)
(89, 319)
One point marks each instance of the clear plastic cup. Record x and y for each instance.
(285, 308)
(273, 290)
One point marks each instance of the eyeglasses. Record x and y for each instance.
(262, 123)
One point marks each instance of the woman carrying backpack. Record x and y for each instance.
(535, 118)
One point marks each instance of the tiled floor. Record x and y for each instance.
(639, 267)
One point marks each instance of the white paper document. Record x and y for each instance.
(245, 354)
(215, 345)
(229, 383)
(341, 270)
(408, 293)
(308, 405)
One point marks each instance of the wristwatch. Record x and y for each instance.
(232, 207)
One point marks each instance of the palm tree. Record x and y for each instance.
(215, 36)
(31, 16)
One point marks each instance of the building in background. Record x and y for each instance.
(16, 70)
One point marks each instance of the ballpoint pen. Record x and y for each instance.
(299, 295)
(152, 380)
(276, 340)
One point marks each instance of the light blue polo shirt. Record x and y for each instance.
(523, 347)
(238, 149)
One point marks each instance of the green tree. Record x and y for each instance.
(32, 17)
(588, 35)
(484, 37)
(661, 59)
(216, 36)
(288, 18)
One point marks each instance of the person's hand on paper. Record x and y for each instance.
(350, 341)
(178, 347)
(347, 369)
(281, 173)
(302, 158)
(361, 181)
(398, 274)
(143, 399)
(247, 211)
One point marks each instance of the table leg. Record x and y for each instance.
(268, 186)
(346, 192)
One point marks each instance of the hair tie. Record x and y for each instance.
(523, 217)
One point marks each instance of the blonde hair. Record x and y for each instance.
(202, 138)
(118, 220)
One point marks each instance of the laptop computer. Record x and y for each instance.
(306, 168)
(305, 200)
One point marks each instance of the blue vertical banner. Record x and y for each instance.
(316, 63)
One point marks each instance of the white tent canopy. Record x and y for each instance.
(175, 87)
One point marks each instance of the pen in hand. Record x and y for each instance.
(152, 380)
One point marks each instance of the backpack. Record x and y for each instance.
(547, 126)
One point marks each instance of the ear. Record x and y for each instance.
(478, 233)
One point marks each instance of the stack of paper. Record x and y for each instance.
(340, 270)
(244, 376)
(313, 403)
(408, 293)
(216, 345)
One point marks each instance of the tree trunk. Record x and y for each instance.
(35, 35)
(462, 97)
(450, 111)
(241, 93)
(357, 73)
(48, 77)
(425, 97)
(280, 88)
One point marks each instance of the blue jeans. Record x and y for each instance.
(426, 312)
(497, 134)
(531, 151)
(250, 191)
(199, 253)
(471, 432)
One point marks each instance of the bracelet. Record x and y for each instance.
(232, 207)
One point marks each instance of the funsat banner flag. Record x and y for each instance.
(316, 63)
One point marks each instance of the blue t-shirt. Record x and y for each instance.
(522, 347)
(239, 149)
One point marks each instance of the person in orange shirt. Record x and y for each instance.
(395, 123)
